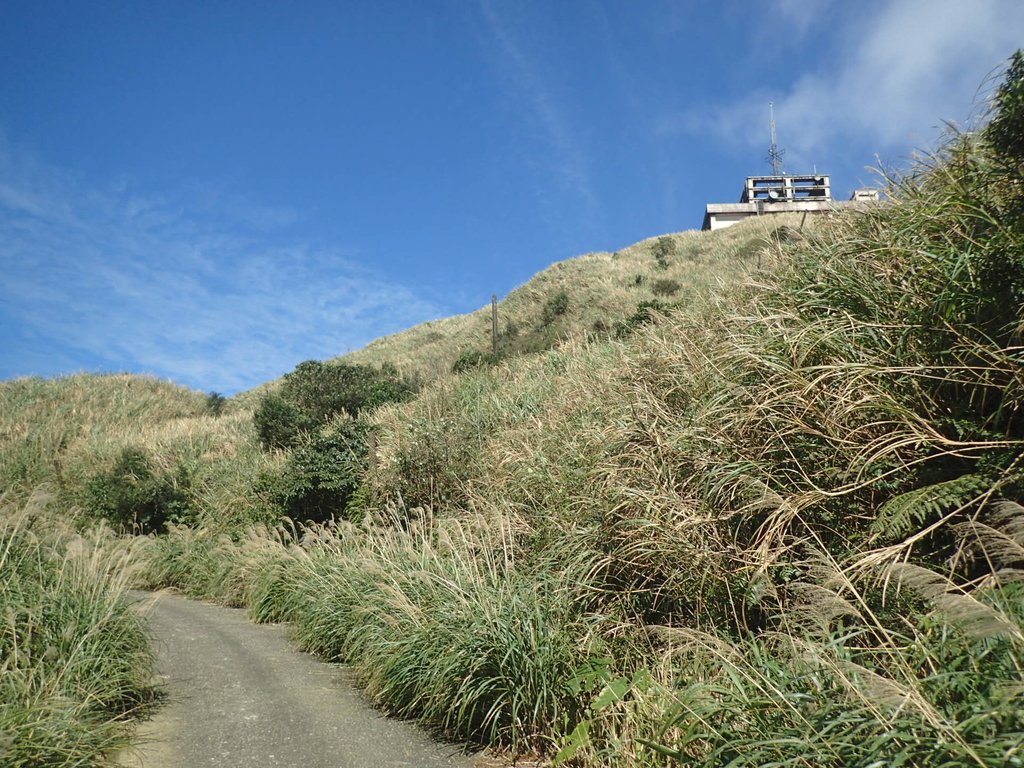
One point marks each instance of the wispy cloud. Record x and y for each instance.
(569, 160)
(215, 294)
(794, 19)
(900, 69)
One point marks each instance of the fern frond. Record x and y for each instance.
(909, 512)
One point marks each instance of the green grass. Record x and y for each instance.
(74, 657)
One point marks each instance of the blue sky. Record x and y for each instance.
(214, 191)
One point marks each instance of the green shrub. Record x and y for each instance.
(1001, 188)
(315, 392)
(1006, 129)
(474, 358)
(279, 423)
(215, 403)
(644, 315)
(134, 498)
(321, 474)
(554, 307)
(663, 250)
(665, 287)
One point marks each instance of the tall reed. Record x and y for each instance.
(74, 657)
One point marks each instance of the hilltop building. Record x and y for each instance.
(764, 195)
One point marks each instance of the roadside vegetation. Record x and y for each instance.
(766, 511)
(75, 662)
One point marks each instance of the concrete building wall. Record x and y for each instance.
(765, 195)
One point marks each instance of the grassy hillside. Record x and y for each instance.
(591, 294)
(44, 423)
(782, 524)
(63, 433)
(139, 451)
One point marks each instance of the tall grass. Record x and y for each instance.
(65, 432)
(780, 525)
(438, 618)
(74, 657)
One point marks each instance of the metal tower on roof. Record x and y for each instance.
(774, 153)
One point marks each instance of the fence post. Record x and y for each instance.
(494, 324)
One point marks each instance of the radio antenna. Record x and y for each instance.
(774, 153)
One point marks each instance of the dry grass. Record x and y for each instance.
(74, 657)
(64, 431)
(602, 289)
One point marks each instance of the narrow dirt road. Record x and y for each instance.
(239, 695)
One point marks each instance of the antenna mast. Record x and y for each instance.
(774, 153)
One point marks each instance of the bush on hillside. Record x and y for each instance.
(1006, 129)
(321, 474)
(644, 315)
(474, 358)
(135, 498)
(664, 249)
(1005, 132)
(665, 287)
(554, 307)
(279, 422)
(215, 403)
(315, 392)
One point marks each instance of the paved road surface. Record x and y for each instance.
(240, 696)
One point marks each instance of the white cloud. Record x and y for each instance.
(109, 275)
(889, 78)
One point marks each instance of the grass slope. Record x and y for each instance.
(58, 436)
(46, 424)
(600, 290)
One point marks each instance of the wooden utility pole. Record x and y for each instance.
(494, 324)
